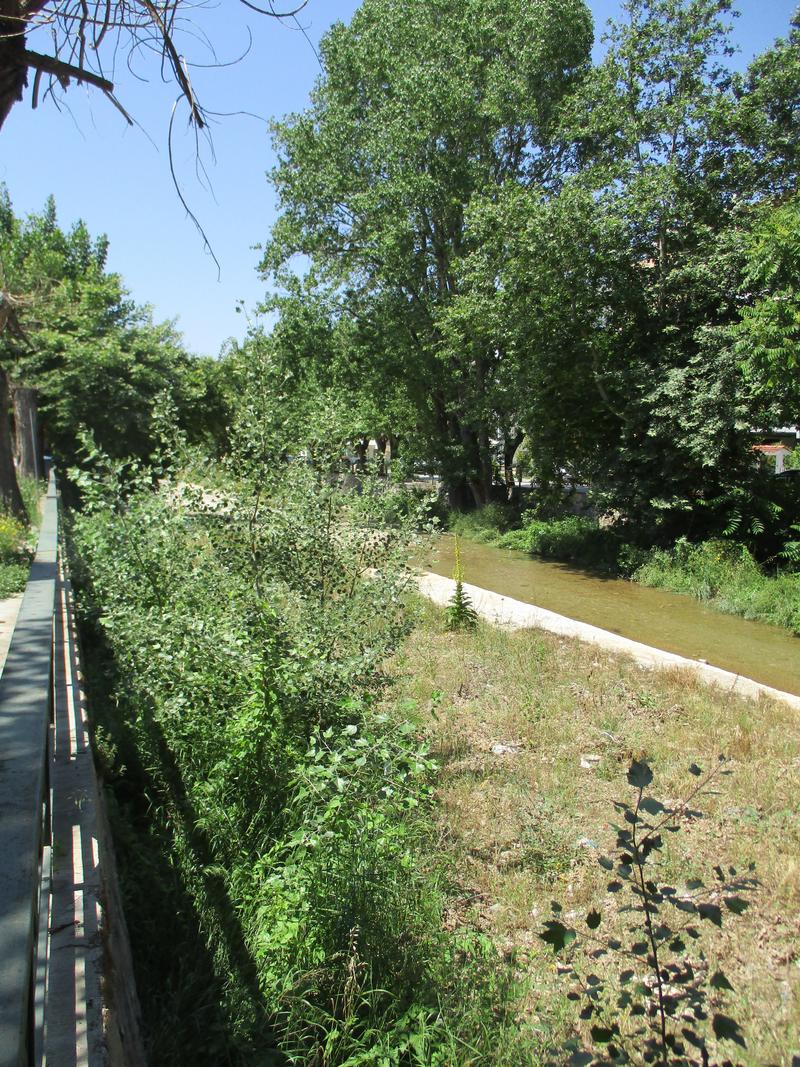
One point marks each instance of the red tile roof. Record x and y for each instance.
(771, 450)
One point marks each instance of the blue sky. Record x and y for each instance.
(117, 178)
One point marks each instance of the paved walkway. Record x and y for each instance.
(9, 609)
(504, 611)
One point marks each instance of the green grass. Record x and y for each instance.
(525, 826)
(726, 577)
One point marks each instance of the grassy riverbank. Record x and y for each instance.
(534, 736)
(722, 574)
(339, 828)
(283, 884)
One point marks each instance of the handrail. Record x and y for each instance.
(25, 715)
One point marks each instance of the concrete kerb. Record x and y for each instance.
(514, 614)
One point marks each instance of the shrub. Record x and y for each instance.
(571, 539)
(459, 613)
(657, 1010)
(485, 524)
(12, 533)
(726, 576)
(15, 555)
(243, 655)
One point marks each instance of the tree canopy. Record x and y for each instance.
(517, 242)
(96, 360)
(424, 108)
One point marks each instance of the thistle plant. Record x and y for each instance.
(460, 614)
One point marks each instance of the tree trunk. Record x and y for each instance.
(26, 426)
(10, 495)
(478, 491)
(457, 495)
(485, 459)
(511, 442)
(13, 68)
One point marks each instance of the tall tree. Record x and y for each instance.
(96, 360)
(622, 276)
(767, 338)
(424, 107)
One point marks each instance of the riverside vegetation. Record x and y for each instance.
(340, 823)
(721, 572)
(274, 821)
(536, 738)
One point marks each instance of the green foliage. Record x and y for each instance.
(422, 109)
(485, 524)
(97, 360)
(591, 270)
(11, 534)
(572, 539)
(242, 642)
(656, 1011)
(15, 549)
(727, 576)
(767, 338)
(459, 613)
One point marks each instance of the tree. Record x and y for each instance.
(423, 108)
(766, 117)
(767, 339)
(623, 274)
(85, 38)
(96, 360)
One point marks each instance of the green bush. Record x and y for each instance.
(727, 577)
(484, 525)
(15, 552)
(241, 649)
(12, 533)
(571, 539)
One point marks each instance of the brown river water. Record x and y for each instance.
(664, 620)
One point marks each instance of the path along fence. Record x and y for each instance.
(67, 997)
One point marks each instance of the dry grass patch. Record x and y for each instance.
(534, 735)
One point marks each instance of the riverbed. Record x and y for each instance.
(654, 617)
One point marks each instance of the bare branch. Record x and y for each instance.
(65, 71)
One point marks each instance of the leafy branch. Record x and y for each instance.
(663, 996)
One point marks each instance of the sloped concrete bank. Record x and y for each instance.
(514, 614)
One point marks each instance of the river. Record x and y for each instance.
(664, 620)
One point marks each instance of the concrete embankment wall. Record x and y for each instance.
(515, 614)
